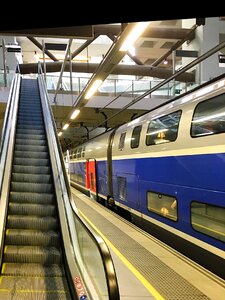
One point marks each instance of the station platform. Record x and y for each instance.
(146, 268)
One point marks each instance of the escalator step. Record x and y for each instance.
(35, 178)
(34, 127)
(30, 108)
(26, 96)
(31, 142)
(30, 136)
(34, 288)
(31, 148)
(30, 123)
(30, 154)
(26, 106)
(32, 222)
(30, 114)
(31, 209)
(32, 198)
(32, 187)
(30, 269)
(29, 120)
(32, 254)
(30, 131)
(31, 169)
(32, 237)
(30, 101)
(31, 161)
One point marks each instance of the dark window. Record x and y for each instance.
(163, 129)
(135, 138)
(122, 141)
(122, 187)
(209, 117)
(75, 153)
(164, 205)
(208, 219)
(83, 151)
(79, 152)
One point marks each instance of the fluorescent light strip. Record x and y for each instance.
(65, 126)
(75, 114)
(134, 34)
(93, 88)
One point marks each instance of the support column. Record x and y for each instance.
(207, 37)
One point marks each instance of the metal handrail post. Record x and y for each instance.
(62, 68)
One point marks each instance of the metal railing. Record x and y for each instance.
(114, 87)
(6, 153)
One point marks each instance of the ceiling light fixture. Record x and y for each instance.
(75, 114)
(60, 133)
(134, 34)
(65, 126)
(96, 84)
(165, 62)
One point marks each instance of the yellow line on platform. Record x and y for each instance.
(140, 277)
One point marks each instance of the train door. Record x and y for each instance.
(92, 178)
(87, 183)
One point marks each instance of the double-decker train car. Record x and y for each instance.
(166, 169)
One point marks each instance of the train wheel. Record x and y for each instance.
(110, 202)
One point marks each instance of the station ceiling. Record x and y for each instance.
(94, 48)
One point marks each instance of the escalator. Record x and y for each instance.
(33, 258)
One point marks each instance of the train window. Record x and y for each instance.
(163, 129)
(135, 138)
(209, 117)
(83, 151)
(208, 219)
(164, 205)
(75, 153)
(122, 187)
(79, 152)
(122, 141)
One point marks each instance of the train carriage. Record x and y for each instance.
(167, 169)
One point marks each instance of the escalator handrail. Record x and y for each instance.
(72, 270)
(110, 274)
(7, 147)
(8, 112)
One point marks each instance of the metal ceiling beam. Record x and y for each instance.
(90, 31)
(151, 32)
(83, 46)
(118, 70)
(47, 52)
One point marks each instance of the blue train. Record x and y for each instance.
(166, 169)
